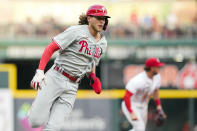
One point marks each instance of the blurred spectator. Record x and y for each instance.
(146, 27)
(25, 29)
(48, 27)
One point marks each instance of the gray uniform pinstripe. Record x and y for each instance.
(78, 53)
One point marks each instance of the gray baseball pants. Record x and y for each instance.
(54, 102)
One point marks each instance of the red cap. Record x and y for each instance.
(97, 10)
(153, 62)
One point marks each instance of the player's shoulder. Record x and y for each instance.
(139, 78)
(141, 75)
(136, 82)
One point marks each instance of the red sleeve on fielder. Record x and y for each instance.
(127, 99)
(48, 52)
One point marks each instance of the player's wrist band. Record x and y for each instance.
(91, 75)
(157, 102)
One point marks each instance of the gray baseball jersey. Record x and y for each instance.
(79, 50)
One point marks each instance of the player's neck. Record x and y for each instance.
(150, 75)
(95, 34)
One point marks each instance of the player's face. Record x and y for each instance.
(96, 23)
(155, 70)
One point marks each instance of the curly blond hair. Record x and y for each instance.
(83, 19)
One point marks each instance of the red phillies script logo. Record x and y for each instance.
(188, 76)
(84, 44)
(97, 53)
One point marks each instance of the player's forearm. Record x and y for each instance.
(93, 72)
(157, 100)
(156, 94)
(127, 99)
(48, 52)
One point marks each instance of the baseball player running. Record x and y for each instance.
(138, 92)
(80, 48)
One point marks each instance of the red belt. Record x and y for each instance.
(72, 78)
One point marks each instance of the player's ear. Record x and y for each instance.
(151, 68)
(88, 18)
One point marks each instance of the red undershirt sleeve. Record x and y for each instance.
(127, 99)
(48, 52)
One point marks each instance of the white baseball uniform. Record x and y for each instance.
(142, 87)
(78, 54)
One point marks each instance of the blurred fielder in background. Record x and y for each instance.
(138, 92)
(80, 48)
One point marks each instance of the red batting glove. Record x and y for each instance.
(95, 83)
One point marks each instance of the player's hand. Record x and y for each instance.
(160, 117)
(161, 112)
(38, 79)
(133, 116)
(95, 83)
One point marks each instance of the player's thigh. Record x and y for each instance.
(139, 124)
(126, 112)
(60, 111)
(145, 116)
